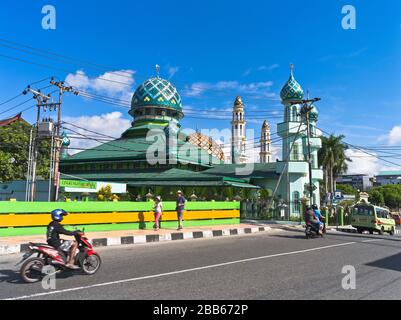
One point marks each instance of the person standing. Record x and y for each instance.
(180, 208)
(158, 207)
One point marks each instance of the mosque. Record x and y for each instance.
(155, 156)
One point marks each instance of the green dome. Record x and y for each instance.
(292, 90)
(314, 114)
(65, 141)
(156, 92)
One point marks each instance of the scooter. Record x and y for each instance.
(312, 232)
(32, 269)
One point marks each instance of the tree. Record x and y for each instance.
(14, 147)
(105, 194)
(346, 189)
(333, 159)
(388, 195)
(376, 198)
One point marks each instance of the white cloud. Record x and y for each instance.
(172, 71)
(115, 84)
(393, 137)
(362, 163)
(268, 68)
(110, 124)
(198, 88)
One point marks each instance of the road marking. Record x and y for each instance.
(373, 240)
(179, 271)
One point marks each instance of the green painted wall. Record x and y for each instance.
(41, 207)
(27, 231)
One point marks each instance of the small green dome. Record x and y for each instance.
(314, 114)
(65, 141)
(292, 90)
(156, 92)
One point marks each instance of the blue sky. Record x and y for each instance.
(213, 51)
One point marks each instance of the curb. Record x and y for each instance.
(353, 230)
(129, 240)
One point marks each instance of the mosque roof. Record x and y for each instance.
(135, 148)
(291, 90)
(156, 92)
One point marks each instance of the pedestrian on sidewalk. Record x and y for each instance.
(180, 208)
(158, 207)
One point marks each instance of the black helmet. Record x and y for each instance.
(314, 207)
(57, 214)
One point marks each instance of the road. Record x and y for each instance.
(277, 265)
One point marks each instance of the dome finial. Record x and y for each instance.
(157, 70)
(292, 68)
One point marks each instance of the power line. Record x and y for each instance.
(59, 69)
(364, 151)
(63, 58)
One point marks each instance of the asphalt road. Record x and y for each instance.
(277, 265)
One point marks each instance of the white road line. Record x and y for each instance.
(179, 271)
(373, 240)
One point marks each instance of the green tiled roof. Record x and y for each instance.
(260, 170)
(133, 148)
(390, 173)
(174, 176)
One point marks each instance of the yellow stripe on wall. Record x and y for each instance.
(31, 220)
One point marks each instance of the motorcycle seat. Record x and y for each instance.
(38, 244)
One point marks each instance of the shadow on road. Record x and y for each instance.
(391, 263)
(10, 276)
(297, 236)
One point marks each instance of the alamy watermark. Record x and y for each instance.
(348, 282)
(49, 280)
(169, 146)
(349, 20)
(49, 20)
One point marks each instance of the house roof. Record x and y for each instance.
(8, 121)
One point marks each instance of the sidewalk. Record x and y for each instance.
(10, 245)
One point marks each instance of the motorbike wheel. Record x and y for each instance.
(90, 265)
(31, 270)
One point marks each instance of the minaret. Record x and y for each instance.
(265, 144)
(238, 139)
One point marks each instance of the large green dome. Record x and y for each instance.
(292, 90)
(156, 92)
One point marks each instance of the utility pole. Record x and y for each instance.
(305, 111)
(33, 148)
(61, 89)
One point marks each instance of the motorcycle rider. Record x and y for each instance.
(319, 217)
(310, 218)
(54, 229)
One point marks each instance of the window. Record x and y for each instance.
(295, 152)
(295, 198)
(294, 112)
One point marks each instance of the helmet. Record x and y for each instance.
(308, 208)
(57, 215)
(314, 207)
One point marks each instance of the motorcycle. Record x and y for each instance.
(32, 269)
(312, 232)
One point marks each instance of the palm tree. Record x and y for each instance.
(333, 159)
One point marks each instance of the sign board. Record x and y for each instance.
(338, 195)
(78, 184)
